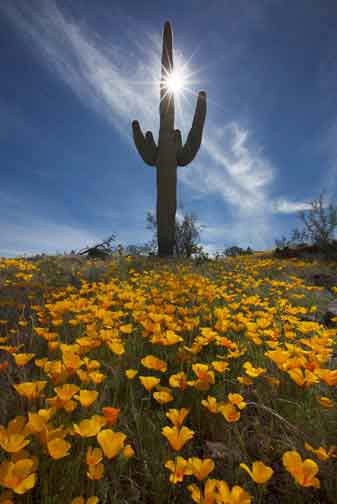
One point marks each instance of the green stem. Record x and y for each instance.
(240, 438)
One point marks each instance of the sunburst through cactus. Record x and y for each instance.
(170, 151)
(175, 82)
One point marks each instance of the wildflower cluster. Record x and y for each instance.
(124, 387)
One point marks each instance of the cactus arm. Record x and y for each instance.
(166, 108)
(188, 152)
(146, 145)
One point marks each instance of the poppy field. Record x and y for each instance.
(144, 380)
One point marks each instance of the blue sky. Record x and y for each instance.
(74, 74)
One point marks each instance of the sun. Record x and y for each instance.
(175, 82)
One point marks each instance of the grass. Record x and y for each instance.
(86, 322)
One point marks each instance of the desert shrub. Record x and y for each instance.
(187, 233)
(101, 250)
(201, 256)
(320, 224)
(145, 249)
(235, 251)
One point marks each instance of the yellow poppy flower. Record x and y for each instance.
(220, 366)
(163, 397)
(235, 354)
(131, 373)
(67, 391)
(112, 443)
(278, 356)
(302, 471)
(201, 468)
(30, 390)
(36, 422)
(21, 359)
(252, 371)
(229, 411)
(116, 347)
(86, 397)
(81, 500)
(13, 443)
(244, 380)
(18, 476)
(205, 377)
(128, 451)
(301, 378)
(149, 382)
(97, 377)
(71, 361)
(48, 433)
(329, 376)
(46, 414)
(177, 416)
(58, 448)
(93, 456)
(208, 496)
(325, 402)
(110, 415)
(177, 438)
(179, 468)
(211, 404)
(89, 427)
(83, 376)
(178, 380)
(236, 495)
(13, 439)
(321, 452)
(152, 362)
(260, 473)
(126, 328)
(171, 338)
(57, 403)
(96, 472)
(237, 400)
(53, 345)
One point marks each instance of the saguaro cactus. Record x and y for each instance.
(170, 151)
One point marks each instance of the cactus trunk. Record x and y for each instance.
(170, 152)
(166, 210)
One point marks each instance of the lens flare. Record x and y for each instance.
(175, 82)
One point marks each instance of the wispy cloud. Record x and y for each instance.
(101, 73)
(284, 206)
(232, 168)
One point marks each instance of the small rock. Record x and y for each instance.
(332, 308)
(297, 251)
(330, 313)
(323, 280)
